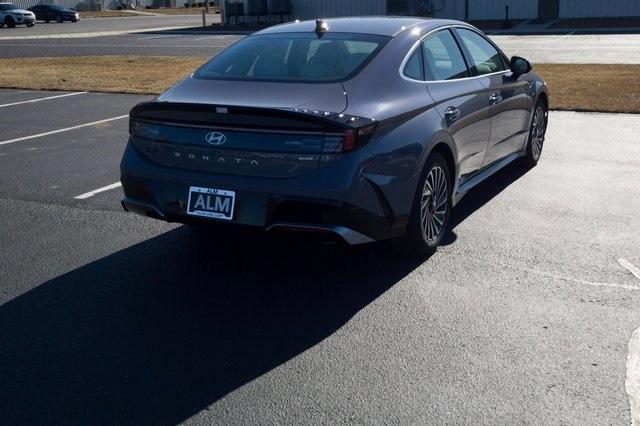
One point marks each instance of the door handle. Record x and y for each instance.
(452, 113)
(495, 98)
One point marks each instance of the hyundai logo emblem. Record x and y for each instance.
(215, 138)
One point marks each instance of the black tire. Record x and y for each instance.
(537, 133)
(47, 20)
(10, 22)
(30, 25)
(59, 19)
(427, 227)
(2, 25)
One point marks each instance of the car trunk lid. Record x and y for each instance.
(239, 140)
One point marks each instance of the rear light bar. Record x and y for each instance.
(342, 132)
(358, 130)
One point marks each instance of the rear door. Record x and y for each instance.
(460, 100)
(507, 94)
(44, 13)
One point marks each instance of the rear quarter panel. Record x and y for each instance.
(409, 125)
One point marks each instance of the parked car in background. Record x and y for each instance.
(11, 15)
(359, 128)
(52, 12)
(126, 5)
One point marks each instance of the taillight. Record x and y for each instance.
(349, 140)
(352, 140)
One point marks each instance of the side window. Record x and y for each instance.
(486, 59)
(414, 68)
(442, 57)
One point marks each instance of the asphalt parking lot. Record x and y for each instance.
(160, 44)
(524, 316)
(93, 26)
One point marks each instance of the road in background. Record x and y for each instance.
(105, 317)
(596, 49)
(573, 49)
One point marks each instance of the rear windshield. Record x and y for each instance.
(294, 57)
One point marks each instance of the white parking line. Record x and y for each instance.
(632, 382)
(97, 191)
(160, 36)
(114, 46)
(630, 267)
(66, 129)
(42, 99)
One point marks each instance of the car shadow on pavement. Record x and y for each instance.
(157, 332)
(485, 192)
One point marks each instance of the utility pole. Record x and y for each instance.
(466, 10)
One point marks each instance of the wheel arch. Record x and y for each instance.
(444, 150)
(443, 144)
(545, 98)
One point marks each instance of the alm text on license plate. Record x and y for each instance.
(212, 203)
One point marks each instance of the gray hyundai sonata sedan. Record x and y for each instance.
(359, 129)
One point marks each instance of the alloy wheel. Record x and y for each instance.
(433, 204)
(538, 130)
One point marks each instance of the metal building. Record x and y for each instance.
(477, 10)
(471, 10)
(309, 9)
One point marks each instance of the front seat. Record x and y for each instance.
(270, 65)
(328, 62)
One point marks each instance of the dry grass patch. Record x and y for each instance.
(592, 87)
(120, 74)
(603, 88)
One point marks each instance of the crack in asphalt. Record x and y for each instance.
(559, 277)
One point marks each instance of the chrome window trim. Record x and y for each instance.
(446, 27)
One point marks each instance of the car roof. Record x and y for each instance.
(378, 25)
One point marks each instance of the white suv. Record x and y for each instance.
(11, 16)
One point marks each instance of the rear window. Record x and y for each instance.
(294, 57)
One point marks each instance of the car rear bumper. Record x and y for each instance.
(334, 200)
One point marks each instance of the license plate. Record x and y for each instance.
(212, 203)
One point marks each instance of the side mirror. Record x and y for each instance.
(519, 65)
